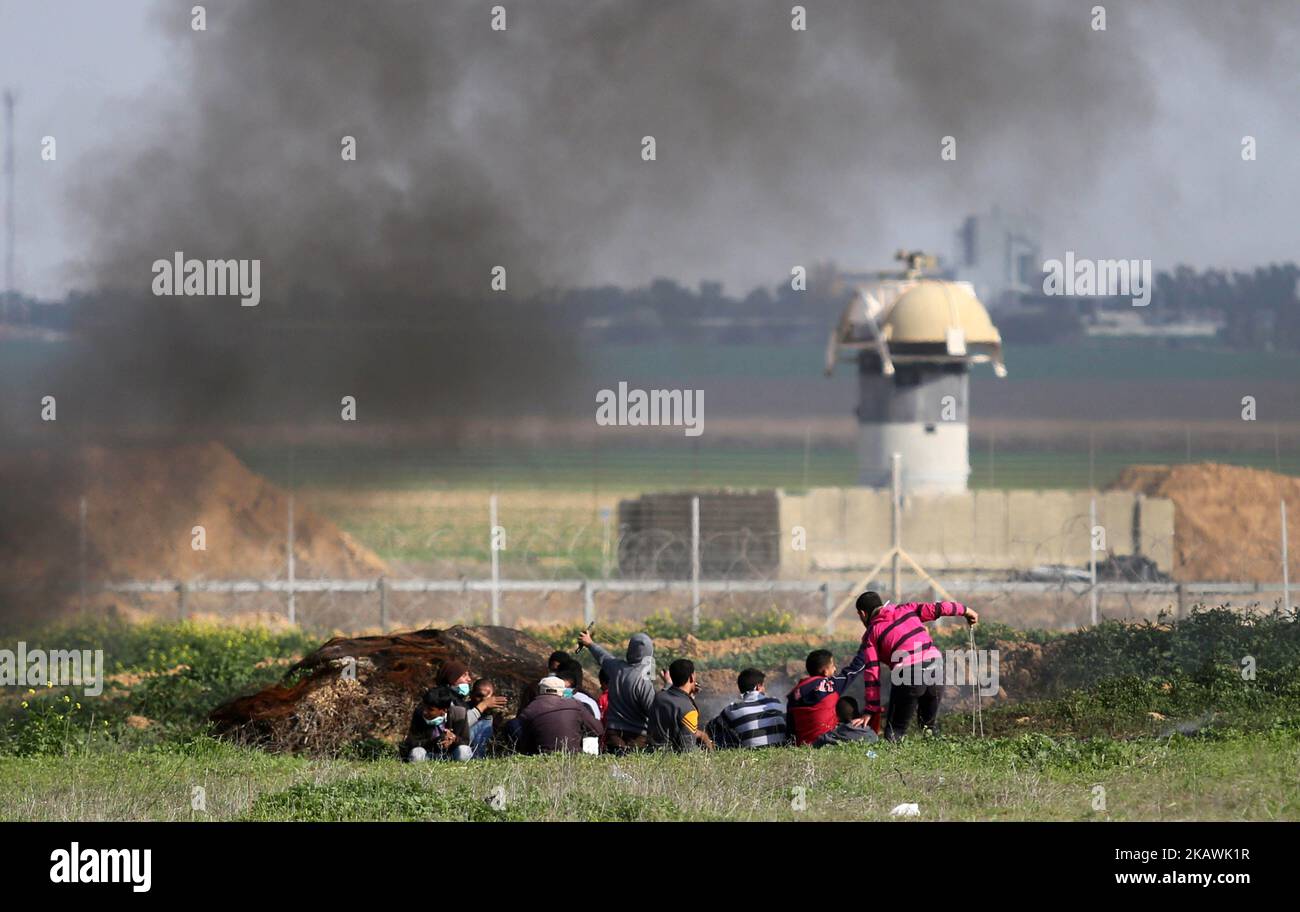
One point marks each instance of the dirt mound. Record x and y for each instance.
(1227, 524)
(142, 504)
(1024, 669)
(718, 683)
(352, 689)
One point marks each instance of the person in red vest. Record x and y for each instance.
(602, 701)
(896, 637)
(810, 707)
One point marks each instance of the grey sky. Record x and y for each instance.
(1166, 176)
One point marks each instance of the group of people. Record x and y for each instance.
(461, 718)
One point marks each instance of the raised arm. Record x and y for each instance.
(930, 611)
(598, 652)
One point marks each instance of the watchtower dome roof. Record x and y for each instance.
(930, 309)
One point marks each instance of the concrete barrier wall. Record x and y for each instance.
(850, 529)
(1156, 518)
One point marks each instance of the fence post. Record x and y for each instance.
(828, 603)
(383, 605)
(496, 560)
(897, 508)
(807, 452)
(1092, 558)
(992, 455)
(1286, 559)
(1182, 601)
(604, 542)
(293, 605)
(81, 551)
(695, 563)
(588, 604)
(181, 589)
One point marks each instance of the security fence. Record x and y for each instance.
(386, 604)
(540, 548)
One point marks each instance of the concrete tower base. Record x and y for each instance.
(934, 454)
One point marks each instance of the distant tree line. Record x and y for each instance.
(53, 315)
(668, 311)
(1259, 309)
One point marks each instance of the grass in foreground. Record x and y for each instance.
(1229, 777)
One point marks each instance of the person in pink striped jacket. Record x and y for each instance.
(897, 639)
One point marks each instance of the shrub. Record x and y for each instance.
(664, 625)
(50, 722)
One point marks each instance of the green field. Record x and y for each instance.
(1053, 459)
(679, 467)
(1089, 359)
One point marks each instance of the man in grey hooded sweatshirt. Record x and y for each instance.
(631, 692)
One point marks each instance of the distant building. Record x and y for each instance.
(1133, 324)
(1000, 255)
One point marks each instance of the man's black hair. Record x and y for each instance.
(603, 676)
(559, 657)
(680, 671)
(748, 679)
(818, 661)
(869, 601)
(846, 709)
(571, 671)
(439, 697)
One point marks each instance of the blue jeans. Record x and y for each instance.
(479, 736)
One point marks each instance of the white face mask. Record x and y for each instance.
(462, 689)
(436, 720)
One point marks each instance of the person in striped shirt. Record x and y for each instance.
(896, 638)
(755, 720)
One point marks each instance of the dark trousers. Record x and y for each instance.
(907, 700)
(620, 742)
